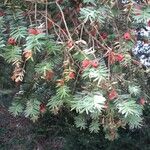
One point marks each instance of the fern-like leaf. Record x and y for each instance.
(32, 109)
(96, 74)
(19, 33)
(94, 126)
(12, 54)
(129, 107)
(16, 108)
(88, 102)
(80, 122)
(135, 90)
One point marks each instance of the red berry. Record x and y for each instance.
(49, 24)
(49, 75)
(42, 108)
(127, 36)
(11, 41)
(86, 63)
(119, 57)
(113, 94)
(34, 31)
(59, 1)
(104, 35)
(148, 23)
(93, 32)
(95, 63)
(72, 75)
(70, 44)
(137, 14)
(142, 101)
(1, 13)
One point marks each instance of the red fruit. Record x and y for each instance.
(119, 57)
(72, 75)
(86, 63)
(59, 1)
(138, 7)
(95, 63)
(127, 36)
(93, 32)
(113, 94)
(142, 101)
(148, 23)
(104, 35)
(70, 44)
(49, 75)
(11, 41)
(49, 24)
(1, 13)
(42, 108)
(137, 14)
(34, 31)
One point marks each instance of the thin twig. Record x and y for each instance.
(46, 21)
(55, 24)
(63, 17)
(35, 15)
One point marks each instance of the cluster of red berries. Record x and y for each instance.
(88, 63)
(11, 41)
(115, 57)
(34, 31)
(85, 64)
(72, 75)
(112, 94)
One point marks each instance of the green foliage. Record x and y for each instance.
(135, 90)
(92, 15)
(134, 121)
(80, 122)
(42, 67)
(19, 33)
(143, 15)
(12, 54)
(32, 109)
(85, 62)
(55, 103)
(35, 42)
(129, 107)
(96, 74)
(62, 96)
(88, 102)
(2, 43)
(52, 47)
(94, 126)
(89, 1)
(131, 110)
(16, 108)
(63, 92)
